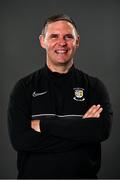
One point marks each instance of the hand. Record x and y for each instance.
(35, 124)
(93, 112)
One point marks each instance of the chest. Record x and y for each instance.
(60, 99)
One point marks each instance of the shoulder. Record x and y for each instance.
(88, 79)
(94, 86)
(26, 83)
(31, 78)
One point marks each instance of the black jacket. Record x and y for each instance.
(68, 146)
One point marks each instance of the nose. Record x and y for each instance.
(62, 41)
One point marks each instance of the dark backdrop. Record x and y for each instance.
(98, 22)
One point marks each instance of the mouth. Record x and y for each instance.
(61, 51)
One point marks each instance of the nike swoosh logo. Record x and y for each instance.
(38, 94)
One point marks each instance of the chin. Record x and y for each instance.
(63, 62)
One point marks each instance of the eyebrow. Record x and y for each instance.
(55, 34)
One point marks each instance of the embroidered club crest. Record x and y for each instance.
(79, 94)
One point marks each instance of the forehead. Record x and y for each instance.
(60, 26)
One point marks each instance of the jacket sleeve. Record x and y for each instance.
(88, 129)
(22, 136)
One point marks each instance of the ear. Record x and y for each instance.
(78, 41)
(42, 41)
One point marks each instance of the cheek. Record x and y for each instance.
(50, 45)
(72, 46)
(47, 47)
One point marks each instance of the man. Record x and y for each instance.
(58, 116)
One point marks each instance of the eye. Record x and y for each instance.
(53, 36)
(68, 36)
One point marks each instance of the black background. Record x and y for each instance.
(98, 22)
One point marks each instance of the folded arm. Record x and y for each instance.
(22, 136)
(56, 132)
(93, 112)
(94, 126)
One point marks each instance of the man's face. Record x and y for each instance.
(60, 41)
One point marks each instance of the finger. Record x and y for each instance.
(91, 111)
(35, 124)
(87, 113)
(95, 110)
(97, 114)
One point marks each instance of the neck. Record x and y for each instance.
(60, 68)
